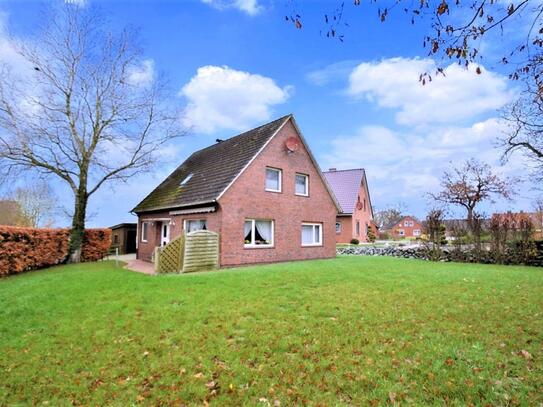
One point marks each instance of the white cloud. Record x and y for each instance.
(404, 165)
(142, 75)
(223, 98)
(331, 73)
(80, 3)
(459, 95)
(250, 7)
(9, 57)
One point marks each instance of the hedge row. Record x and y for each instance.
(23, 249)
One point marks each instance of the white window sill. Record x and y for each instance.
(312, 245)
(277, 191)
(304, 195)
(258, 246)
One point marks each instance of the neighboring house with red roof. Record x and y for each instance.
(262, 191)
(406, 227)
(355, 216)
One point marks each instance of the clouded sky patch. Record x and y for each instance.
(222, 98)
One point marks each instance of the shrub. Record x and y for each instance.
(23, 249)
(96, 243)
(355, 241)
(371, 235)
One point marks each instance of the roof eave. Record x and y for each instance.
(172, 207)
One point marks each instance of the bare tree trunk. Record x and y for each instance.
(78, 223)
(82, 101)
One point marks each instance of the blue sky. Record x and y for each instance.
(237, 64)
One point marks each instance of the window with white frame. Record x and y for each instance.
(302, 184)
(338, 227)
(416, 232)
(273, 180)
(311, 234)
(192, 225)
(401, 232)
(258, 233)
(144, 231)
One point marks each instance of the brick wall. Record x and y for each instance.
(408, 230)
(346, 233)
(247, 198)
(146, 249)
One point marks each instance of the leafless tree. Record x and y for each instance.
(389, 215)
(37, 203)
(469, 185)
(538, 213)
(525, 118)
(87, 112)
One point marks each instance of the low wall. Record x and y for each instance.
(446, 254)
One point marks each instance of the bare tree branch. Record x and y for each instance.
(79, 114)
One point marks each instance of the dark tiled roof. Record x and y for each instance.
(124, 225)
(212, 168)
(346, 185)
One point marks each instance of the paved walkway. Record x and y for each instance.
(141, 266)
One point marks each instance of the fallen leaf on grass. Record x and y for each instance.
(525, 354)
(392, 397)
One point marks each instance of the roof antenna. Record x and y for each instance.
(219, 140)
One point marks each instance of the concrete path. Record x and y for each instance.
(140, 266)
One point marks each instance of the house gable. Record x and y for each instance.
(203, 177)
(247, 198)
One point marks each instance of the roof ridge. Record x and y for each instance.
(241, 134)
(350, 169)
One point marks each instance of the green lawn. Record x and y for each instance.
(354, 330)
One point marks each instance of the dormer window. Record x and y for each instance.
(187, 179)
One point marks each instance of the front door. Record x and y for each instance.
(165, 235)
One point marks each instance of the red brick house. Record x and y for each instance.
(262, 191)
(355, 216)
(407, 227)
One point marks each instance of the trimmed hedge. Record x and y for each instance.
(23, 249)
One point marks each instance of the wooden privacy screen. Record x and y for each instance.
(196, 251)
(201, 251)
(169, 259)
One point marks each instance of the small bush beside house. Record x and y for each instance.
(23, 249)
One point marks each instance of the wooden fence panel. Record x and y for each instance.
(201, 251)
(169, 259)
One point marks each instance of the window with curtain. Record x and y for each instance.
(273, 180)
(302, 184)
(311, 234)
(195, 224)
(144, 231)
(338, 227)
(258, 233)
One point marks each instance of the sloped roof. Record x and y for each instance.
(392, 225)
(212, 169)
(346, 186)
